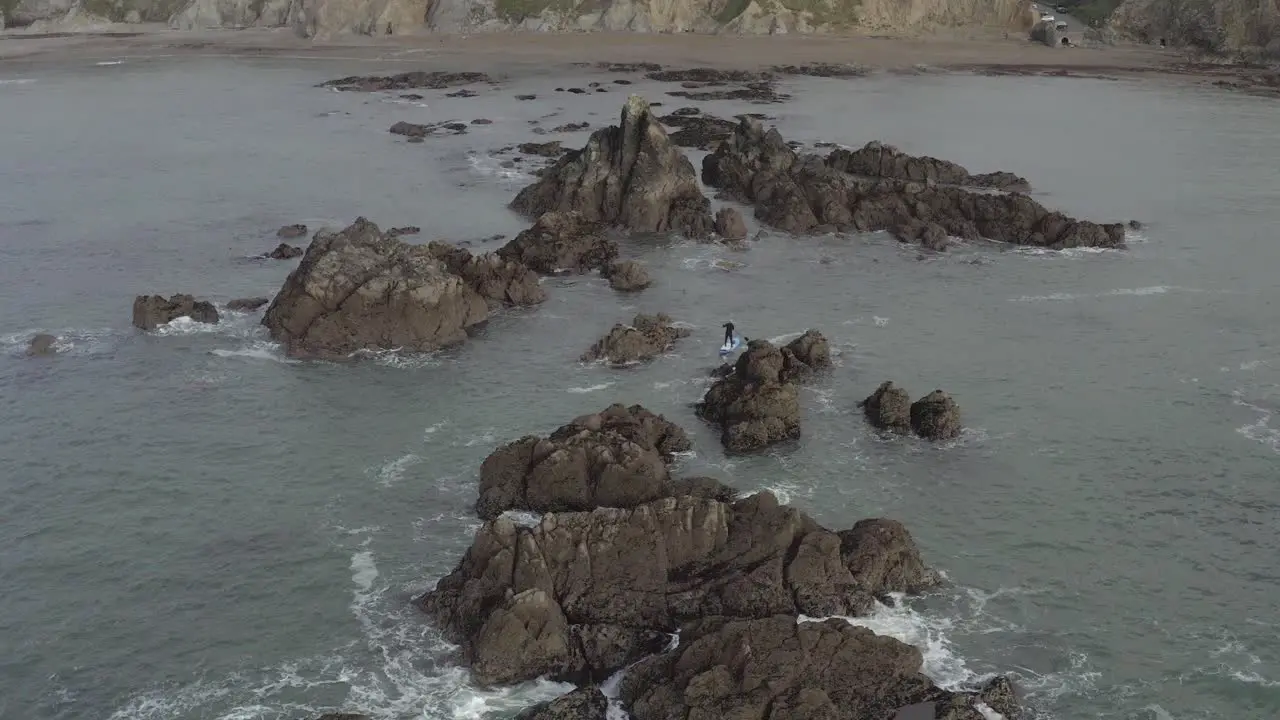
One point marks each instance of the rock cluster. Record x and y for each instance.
(630, 176)
(433, 80)
(626, 275)
(811, 194)
(363, 289)
(625, 556)
(933, 417)
(647, 337)
(152, 311)
(755, 402)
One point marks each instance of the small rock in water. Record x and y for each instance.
(291, 231)
(152, 311)
(406, 230)
(247, 304)
(627, 276)
(42, 344)
(463, 93)
(527, 97)
(577, 91)
(411, 96)
(622, 82)
(482, 121)
(285, 251)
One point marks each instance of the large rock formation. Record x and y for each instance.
(647, 337)
(584, 593)
(152, 311)
(627, 275)
(809, 194)
(616, 458)
(562, 242)
(630, 176)
(933, 417)
(756, 403)
(362, 289)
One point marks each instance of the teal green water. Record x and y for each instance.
(194, 528)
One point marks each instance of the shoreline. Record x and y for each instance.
(514, 54)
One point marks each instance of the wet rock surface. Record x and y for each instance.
(358, 289)
(627, 275)
(730, 224)
(647, 337)
(42, 344)
(807, 194)
(415, 131)
(284, 251)
(289, 232)
(499, 280)
(886, 161)
(639, 555)
(700, 131)
(630, 176)
(756, 403)
(933, 417)
(152, 311)
(247, 304)
(406, 81)
(562, 242)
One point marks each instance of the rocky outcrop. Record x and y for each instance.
(756, 403)
(627, 276)
(647, 337)
(730, 225)
(808, 194)
(583, 593)
(416, 80)
(152, 311)
(247, 304)
(586, 703)
(933, 417)
(629, 176)
(359, 290)
(562, 242)
(290, 232)
(500, 281)
(886, 161)
(615, 458)
(1044, 33)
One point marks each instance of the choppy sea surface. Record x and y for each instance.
(192, 526)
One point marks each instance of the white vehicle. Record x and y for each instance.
(1060, 27)
(1046, 17)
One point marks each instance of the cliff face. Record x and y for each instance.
(326, 18)
(1233, 26)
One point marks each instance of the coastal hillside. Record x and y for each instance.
(327, 18)
(1232, 26)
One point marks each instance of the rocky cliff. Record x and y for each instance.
(327, 18)
(1251, 27)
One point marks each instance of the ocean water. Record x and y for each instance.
(194, 527)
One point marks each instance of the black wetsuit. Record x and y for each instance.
(728, 334)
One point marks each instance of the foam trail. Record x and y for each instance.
(591, 388)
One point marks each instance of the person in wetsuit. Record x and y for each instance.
(728, 334)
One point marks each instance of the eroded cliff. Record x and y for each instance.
(327, 18)
(1251, 27)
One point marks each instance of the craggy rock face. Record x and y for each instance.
(247, 304)
(627, 276)
(935, 417)
(152, 311)
(730, 225)
(809, 194)
(500, 281)
(615, 458)
(42, 344)
(757, 404)
(587, 592)
(647, 337)
(630, 176)
(289, 232)
(888, 408)
(560, 242)
(284, 251)
(357, 289)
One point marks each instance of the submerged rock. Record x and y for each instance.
(247, 304)
(647, 337)
(284, 251)
(152, 311)
(436, 80)
(42, 344)
(586, 703)
(808, 194)
(627, 276)
(562, 242)
(288, 232)
(630, 176)
(359, 290)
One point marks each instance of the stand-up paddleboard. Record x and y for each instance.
(730, 346)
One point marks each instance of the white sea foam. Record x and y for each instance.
(523, 518)
(1118, 292)
(258, 350)
(880, 321)
(393, 471)
(70, 341)
(186, 326)
(488, 166)
(104, 63)
(17, 81)
(433, 429)
(1260, 430)
(591, 388)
